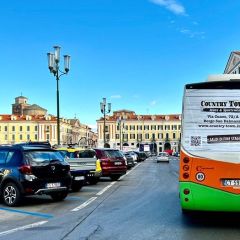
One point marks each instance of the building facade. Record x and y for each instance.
(37, 125)
(233, 64)
(127, 130)
(22, 107)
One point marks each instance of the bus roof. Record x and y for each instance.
(235, 84)
(223, 77)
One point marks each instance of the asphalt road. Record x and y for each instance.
(144, 204)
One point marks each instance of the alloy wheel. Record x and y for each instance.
(10, 195)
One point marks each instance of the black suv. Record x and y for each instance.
(32, 170)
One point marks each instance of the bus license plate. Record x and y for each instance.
(231, 182)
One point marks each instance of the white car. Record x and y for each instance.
(163, 157)
(133, 155)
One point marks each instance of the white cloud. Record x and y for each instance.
(116, 96)
(153, 103)
(171, 5)
(192, 34)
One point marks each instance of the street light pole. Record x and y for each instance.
(121, 126)
(103, 110)
(120, 134)
(53, 65)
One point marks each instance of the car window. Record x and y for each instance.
(87, 154)
(113, 153)
(63, 153)
(99, 154)
(3, 156)
(42, 157)
(163, 154)
(9, 156)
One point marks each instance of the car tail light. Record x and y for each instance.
(104, 161)
(28, 190)
(25, 169)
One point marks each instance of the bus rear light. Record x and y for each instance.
(186, 160)
(186, 199)
(185, 175)
(186, 191)
(185, 167)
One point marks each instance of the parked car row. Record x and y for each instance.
(36, 168)
(137, 156)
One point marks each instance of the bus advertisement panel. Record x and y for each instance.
(210, 147)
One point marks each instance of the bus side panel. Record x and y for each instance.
(207, 199)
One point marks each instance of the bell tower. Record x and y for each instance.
(19, 105)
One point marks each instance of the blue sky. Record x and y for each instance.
(136, 53)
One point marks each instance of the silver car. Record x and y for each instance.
(133, 155)
(163, 157)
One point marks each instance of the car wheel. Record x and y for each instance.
(58, 196)
(93, 181)
(115, 177)
(11, 194)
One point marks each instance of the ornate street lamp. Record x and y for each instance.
(104, 111)
(121, 125)
(53, 65)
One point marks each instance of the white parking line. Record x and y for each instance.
(83, 205)
(105, 189)
(23, 228)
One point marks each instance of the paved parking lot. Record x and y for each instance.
(39, 209)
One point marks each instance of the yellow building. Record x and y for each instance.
(37, 125)
(16, 129)
(127, 130)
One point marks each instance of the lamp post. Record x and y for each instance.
(103, 105)
(153, 144)
(120, 123)
(53, 65)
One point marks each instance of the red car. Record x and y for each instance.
(112, 162)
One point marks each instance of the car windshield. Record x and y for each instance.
(81, 154)
(42, 157)
(113, 154)
(87, 154)
(63, 153)
(131, 153)
(163, 154)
